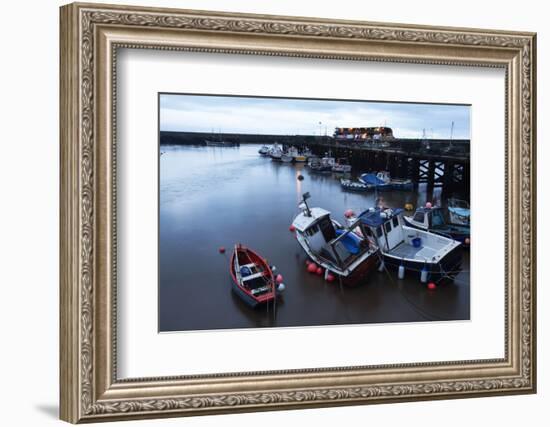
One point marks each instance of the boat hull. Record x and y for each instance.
(456, 232)
(445, 270)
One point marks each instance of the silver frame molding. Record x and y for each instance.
(90, 37)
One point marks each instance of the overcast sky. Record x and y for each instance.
(232, 114)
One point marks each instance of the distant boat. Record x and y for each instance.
(290, 155)
(220, 143)
(433, 220)
(253, 280)
(421, 252)
(324, 164)
(264, 150)
(383, 182)
(349, 185)
(342, 166)
(276, 152)
(341, 251)
(459, 211)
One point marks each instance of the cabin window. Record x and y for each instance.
(379, 232)
(395, 221)
(327, 229)
(312, 230)
(387, 225)
(419, 217)
(437, 219)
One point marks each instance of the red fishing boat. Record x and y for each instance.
(253, 279)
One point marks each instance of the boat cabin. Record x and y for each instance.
(326, 239)
(428, 218)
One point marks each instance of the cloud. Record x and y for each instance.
(284, 116)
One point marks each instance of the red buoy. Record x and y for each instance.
(279, 278)
(308, 262)
(292, 229)
(319, 271)
(467, 241)
(431, 286)
(312, 268)
(221, 250)
(330, 278)
(349, 213)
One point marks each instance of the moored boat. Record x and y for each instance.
(433, 220)
(342, 166)
(339, 250)
(264, 150)
(459, 211)
(323, 165)
(253, 280)
(431, 256)
(276, 152)
(383, 182)
(349, 185)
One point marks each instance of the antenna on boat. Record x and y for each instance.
(306, 196)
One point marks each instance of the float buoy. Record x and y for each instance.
(424, 275)
(431, 286)
(349, 213)
(280, 287)
(312, 268)
(428, 205)
(292, 229)
(300, 177)
(221, 250)
(409, 206)
(401, 272)
(319, 271)
(279, 278)
(273, 269)
(330, 278)
(308, 262)
(467, 241)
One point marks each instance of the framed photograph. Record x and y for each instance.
(267, 212)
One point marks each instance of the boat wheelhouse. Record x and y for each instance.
(431, 256)
(340, 250)
(264, 150)
(433, 220)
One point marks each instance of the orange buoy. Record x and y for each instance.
(431, 286)
(221, 250)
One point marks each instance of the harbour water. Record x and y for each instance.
(212, 197)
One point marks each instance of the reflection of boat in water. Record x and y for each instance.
(431, 256)
(253, 279)
(339, 250)
(459, 211)
(342, 166)
(220, 143)
(383, 182)
(433, 220)
(349, 185)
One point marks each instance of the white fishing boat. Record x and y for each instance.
(342, 166)
(276, 152)
(431, 256)
(340, 250)
(264, 150)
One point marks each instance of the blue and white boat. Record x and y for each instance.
(459, 211)
(382, 182)
(430, 256)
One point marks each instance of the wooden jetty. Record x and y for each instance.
(441, 163)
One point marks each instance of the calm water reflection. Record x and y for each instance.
(212, 197)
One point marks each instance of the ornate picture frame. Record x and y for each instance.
(90, 37)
